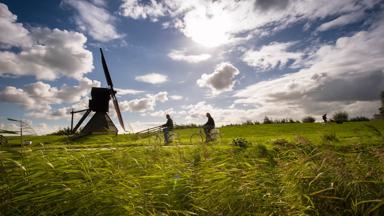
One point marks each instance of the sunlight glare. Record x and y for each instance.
(208, 31)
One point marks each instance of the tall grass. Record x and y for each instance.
(299, 175)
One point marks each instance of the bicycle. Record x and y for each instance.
(158, 138)
(198, 137)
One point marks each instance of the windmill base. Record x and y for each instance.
(100, 123)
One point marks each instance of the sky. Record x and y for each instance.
(238, 60)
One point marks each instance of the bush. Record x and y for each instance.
(63, 132)
(248, 122)
(308, 119)
(340, 117)
(241, 142)
(329, 137)
(359, 118)
(267, 120)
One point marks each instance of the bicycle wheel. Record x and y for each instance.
(155, 140)
(174, 138)
(216, 136)
(196, 139)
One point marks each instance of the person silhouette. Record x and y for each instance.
(167, 127)
(208, 126)
(325, 118)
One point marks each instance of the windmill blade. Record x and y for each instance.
(106, 71)
(117, 108)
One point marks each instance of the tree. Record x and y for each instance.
(308, 119)
(267, 120)
(340, 117)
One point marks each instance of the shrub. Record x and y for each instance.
(63, 132)
(308, 119)
(340, 117)
(248, 122)
(329, 137)
(241, 142)
(267, 120)
(282, 142)
(359, 118)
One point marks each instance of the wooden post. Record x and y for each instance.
(72, 120)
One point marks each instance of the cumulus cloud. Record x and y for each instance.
(12, 94)
(50, 114)
(182, 56)
(95, 20)
(39, 97)
(195, 113)
(121, 92)
(144, 104)
(271, 56)
(12, 33)
(152, 78)
(344, 76)
(221, 80)
(44, 53)
(162, 113)
(215, 23)
(136, 10)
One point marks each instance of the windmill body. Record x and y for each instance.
(100, 123)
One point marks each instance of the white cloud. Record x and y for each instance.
(12, 94)
(59, 53)
(195, 113)
(221, 80)
(144, 104)
(152, 78)
(39, 97)
(44, 128)
(343, 76)
(122, 92)
(136, 10)
(341, 21)
(271, 56)
(176, 97)
(161, 96)
(95, 20)
(190, 58)
(162, 113)
(44, 53)
(12, 33)
(214, 23)
(50, 114)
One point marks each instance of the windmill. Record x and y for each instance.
(100, 122)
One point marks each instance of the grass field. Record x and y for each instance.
(282, 169)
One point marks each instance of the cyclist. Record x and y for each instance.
(325, 118)
(167, 127)
(208, 126)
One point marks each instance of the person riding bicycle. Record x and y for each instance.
(168, 126)
(208, 126)
(325, 118)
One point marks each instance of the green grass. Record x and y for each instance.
(287, 169)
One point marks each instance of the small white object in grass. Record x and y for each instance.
(27, 142)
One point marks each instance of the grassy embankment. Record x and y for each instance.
(287, 169)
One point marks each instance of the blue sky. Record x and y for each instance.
(238, 60)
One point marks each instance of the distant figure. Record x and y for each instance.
(208, 127)
(325, 118)
(168, 126)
